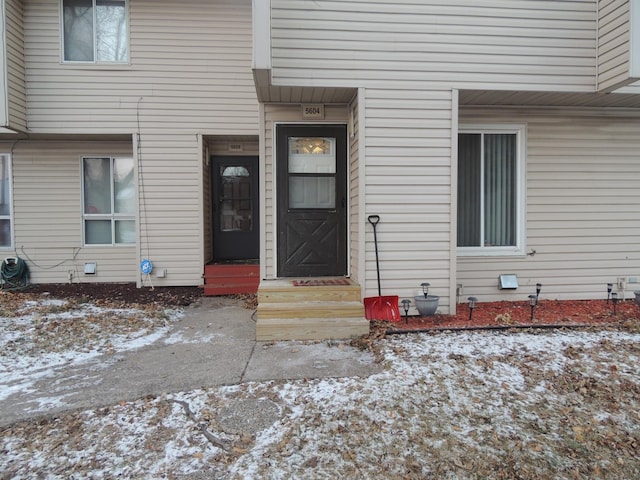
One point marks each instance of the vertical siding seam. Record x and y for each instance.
(453, 238)
(135, 138)
(262, 179)
(362, 207)
(200, 203)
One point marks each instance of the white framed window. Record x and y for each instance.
(491, 190)
(95, 31)
(108, 199)
(6, 204)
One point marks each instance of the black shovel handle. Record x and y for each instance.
(373, 220)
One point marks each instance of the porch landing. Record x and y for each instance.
(231, 278)
(310, 309)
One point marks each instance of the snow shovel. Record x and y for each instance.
(380, 308)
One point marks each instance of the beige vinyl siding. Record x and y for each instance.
(279, 113)
(190, 71)
(408, 168)
(582, 207)
(47, 198)
(15, 71)
(355, 180)
(189, 79)
(171, 210)
(614, 43)
(529, 45)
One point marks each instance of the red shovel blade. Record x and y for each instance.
(382, 308)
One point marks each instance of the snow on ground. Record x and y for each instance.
(498, 405)
(38, 336)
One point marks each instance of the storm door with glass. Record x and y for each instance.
(235, 208)
(311, 200)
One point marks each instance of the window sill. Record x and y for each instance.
(115, 66)
(490, 252)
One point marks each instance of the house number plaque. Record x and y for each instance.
(313, 110)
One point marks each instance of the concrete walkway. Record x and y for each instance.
(214, 344)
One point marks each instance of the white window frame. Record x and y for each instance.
(9, 217)
(113, 216)
(520, 131)
(94, 61)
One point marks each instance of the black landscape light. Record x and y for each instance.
(405, 305)
(538, 288)
(609, 288)
(614, 299)
(425, 288)
(533, 300)
(472, 305)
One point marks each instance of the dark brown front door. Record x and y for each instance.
(235, 208)
(311, 200)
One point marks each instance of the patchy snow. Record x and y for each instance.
(48, 334)
(179, 337)
(548, 404)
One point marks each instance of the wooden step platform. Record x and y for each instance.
(310, 309)
(231, 278)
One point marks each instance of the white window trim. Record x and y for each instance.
(521, 141)
(95, 62)
(10, 216)
(104, 216)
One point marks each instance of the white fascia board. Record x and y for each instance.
(4, 92)
(262, 34)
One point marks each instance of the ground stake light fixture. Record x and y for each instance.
(425, 288)
(405, 305)
(472, 305)
(609, 288)
(533, 300)
(614, 299)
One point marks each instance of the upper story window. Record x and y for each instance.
(95, 31)
(6, 220)
(108, 201)
(491, 190)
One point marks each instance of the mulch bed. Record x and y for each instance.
(124, 293)
(505, 314)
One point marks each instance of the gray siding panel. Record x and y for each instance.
(408, 171)
(189, 78)
(15, 66)
(582, 204)
(614, 43)
(47, 197)
(534, 44)
(355, 198)
(190, 70)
